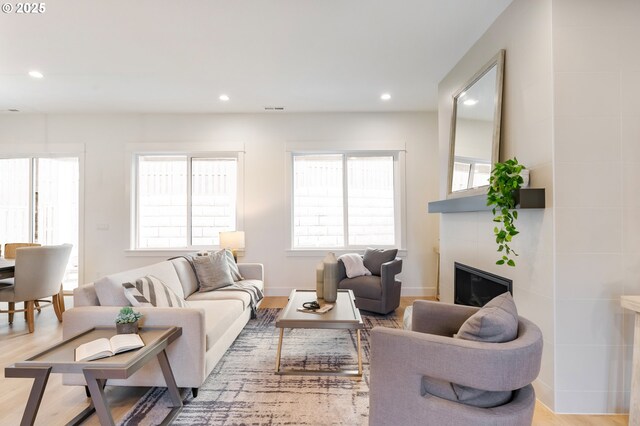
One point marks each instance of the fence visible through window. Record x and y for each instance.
(332, 192)
(168, 187)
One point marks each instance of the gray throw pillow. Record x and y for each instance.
(452, 392)
(374, 258)
(213, 271)
(495, 322)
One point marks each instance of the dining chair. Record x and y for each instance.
(39, 272)
(10, 248)
(10, 253)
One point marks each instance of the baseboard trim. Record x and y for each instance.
(406, 291)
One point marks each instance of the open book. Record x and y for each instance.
(103, 348)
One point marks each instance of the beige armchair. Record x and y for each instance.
(408, 369)
(39, 272)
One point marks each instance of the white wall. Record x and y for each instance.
(571, 114)
(264, 137)
(597, 167)
(524, 30)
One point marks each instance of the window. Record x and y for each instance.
(345, 200)
(39, 203)
(470, 173)
(184, 201)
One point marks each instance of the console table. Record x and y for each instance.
(60, 358)
(633, 303)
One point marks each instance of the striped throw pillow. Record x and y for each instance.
(151, 291)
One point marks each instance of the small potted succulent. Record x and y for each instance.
(127, 321)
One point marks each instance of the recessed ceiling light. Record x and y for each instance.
(462, 94)
(470, 102)
(385, 96)
(224, 98)
(36, 74)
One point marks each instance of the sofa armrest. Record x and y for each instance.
(85, 295)
(439, 318)
(186, 354)
(388, 272)
(251, 271)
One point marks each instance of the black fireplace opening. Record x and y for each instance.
(473, 287)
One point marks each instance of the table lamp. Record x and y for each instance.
(232, 240)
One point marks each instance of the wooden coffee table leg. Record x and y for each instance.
(98, 397)
(359, 353)
(41, 377)
(279, 351)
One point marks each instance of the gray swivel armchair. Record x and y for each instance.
(379, 292)
(403, 362)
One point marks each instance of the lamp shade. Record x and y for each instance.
(232, 240)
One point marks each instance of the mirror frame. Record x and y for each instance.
(498, 61)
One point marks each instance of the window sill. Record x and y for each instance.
(402, 253)
(166, 253)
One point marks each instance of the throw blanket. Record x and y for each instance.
(353, 265)
(250, 288)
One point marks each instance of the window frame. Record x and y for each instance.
(399, 195)
(472, 162)
(34, 151)
(189, 155)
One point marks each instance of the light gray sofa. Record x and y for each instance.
(402, 361)
(210, 322)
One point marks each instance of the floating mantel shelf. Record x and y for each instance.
(527, 198)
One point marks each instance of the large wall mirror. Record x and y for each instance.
(475, 130)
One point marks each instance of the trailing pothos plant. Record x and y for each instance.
(504, 181)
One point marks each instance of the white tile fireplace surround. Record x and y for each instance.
(566, 118)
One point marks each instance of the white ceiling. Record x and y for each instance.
(179, 56)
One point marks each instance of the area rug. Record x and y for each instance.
(243, 389)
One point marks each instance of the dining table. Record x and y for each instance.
(7, 268)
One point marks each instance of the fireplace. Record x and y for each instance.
(474, 287)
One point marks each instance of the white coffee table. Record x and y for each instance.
(343, 316)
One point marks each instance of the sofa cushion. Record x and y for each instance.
(151, 291)
(186, 274)
(227, 294)
(374, 258)
(219, 315)
(212, 271)
(495, 322)
(367, 286)
(111, 293)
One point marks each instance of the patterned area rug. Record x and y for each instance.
(243, 388)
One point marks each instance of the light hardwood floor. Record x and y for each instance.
(61, 403)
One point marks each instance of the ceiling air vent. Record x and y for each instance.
(273, 108)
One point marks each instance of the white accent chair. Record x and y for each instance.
(39, 272)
